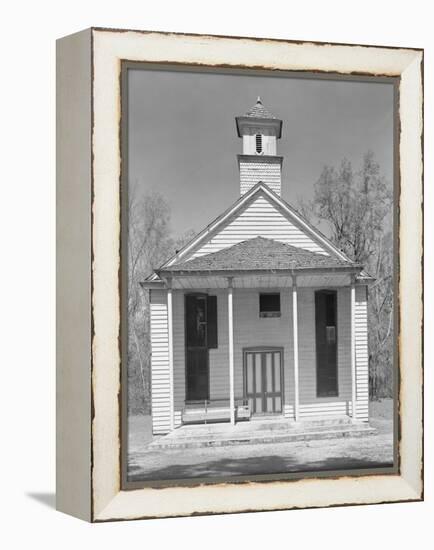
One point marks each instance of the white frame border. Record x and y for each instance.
(109, 47)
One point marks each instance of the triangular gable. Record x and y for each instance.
(258, 213)
(261, 218)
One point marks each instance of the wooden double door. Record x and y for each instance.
(263, 380)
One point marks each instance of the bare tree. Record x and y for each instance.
(356, 207)
(149, 244)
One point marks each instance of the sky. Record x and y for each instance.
(182, 139)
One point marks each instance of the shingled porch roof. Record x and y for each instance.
(259, 254)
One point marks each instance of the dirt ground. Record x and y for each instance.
(270, 458)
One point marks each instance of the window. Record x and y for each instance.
(259, 143)
(269, 305)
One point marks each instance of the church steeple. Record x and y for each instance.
(259, 161)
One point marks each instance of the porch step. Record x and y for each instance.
(178, 440)
(312, 422)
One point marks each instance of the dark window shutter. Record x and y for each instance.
(212, 322)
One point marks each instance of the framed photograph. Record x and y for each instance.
(239, 269)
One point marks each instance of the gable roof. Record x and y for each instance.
(260, 254)
(260, 188)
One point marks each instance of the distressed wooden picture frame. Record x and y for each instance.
(89, 225)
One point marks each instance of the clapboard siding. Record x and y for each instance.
(219, 357)
(259, 219)
(362, 354)
(160, 381)
(251, 330)
(178, 354)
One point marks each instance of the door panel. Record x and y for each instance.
(268, 372)
(326, 342)
(277, 373)
(258, 372)
(197, 361)
(263, 372)
(197, 374)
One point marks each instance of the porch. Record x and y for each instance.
(261, 431)
(261, 366)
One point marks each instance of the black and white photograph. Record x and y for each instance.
(259, 264)
(217, 237)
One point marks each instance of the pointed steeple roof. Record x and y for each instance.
(259, 116)
(259, 111)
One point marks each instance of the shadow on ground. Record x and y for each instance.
(272, 464)
(373, 451)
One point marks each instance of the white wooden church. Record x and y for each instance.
(259, 315)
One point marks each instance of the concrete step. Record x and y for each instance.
(248, 431)
(312, 422)
(255, 438)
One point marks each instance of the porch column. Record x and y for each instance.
(295, 340)
(231, 351)
(170, 346)
(353, 349)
